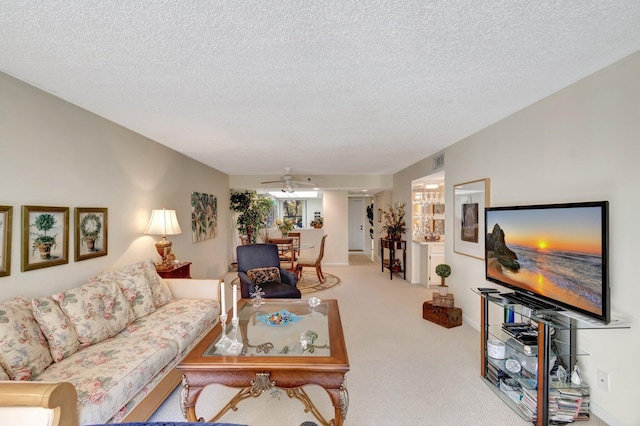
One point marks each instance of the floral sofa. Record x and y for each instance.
(114, 339)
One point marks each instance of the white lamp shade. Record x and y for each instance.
(163, 222)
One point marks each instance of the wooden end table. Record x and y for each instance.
(268, 359)
(175, 270)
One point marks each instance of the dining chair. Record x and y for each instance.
(312, 263)
(286, 251)
(297, 239)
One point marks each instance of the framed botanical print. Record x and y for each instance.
(91, 232)
(45, 237)
(470, 199)
(6, 220)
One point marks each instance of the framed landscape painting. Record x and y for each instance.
(45, 237)
(6, 220)
(91, 232)
(470, 199)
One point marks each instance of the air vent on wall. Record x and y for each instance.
(438, 162)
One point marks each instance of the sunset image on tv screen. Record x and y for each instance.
(553, 252)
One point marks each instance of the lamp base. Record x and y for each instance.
(163, 247)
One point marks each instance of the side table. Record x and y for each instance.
(175, 270)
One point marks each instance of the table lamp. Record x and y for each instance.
(163, 222)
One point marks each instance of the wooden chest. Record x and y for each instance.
(446, 301)
(446, 317)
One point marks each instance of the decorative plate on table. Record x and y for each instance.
(279, 318)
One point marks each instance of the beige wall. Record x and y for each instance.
(55, 154)
(579, 144)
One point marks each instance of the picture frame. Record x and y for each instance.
(45, 237)
(6, 225)
(91, 232)
(379, 215)
(470, 200)
(204, 216)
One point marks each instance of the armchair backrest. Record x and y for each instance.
(257, 256)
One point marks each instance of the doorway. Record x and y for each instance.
(356, 224)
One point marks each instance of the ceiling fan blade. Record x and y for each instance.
(304, 183)
(272, 181)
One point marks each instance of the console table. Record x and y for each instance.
(392, 246)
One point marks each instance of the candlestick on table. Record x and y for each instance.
(235, 301)
(223, 307)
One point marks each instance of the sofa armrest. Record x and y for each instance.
(36, 403)
(187, 288)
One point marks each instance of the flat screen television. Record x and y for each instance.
(554, 252)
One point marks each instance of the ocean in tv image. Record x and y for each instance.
(559, 253)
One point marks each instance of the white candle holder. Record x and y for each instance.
(224, 341)
(235, 348)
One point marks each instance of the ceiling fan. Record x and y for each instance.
(288, 181)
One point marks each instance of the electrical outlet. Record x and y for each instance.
(604, 380)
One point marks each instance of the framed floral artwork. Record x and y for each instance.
(470, 199)
(204, 216)
(6, 220)
(91, 232)
(45, 237)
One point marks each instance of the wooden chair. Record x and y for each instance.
(287, 252)
(296, 241)
(312, 263)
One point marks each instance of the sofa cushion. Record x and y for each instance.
(136, 290)
(109, 374)
(160, 293)
(264, 275)
(24, 353)
(97, 311)
(3, 374)
(181, 321)
(56, 327)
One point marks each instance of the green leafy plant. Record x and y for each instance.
(43, 222)
(443, 271)
(253, 211)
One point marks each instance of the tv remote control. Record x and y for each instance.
(488, 290)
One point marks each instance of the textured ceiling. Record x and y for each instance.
(324, 87)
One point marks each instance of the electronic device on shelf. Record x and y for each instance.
(554, 253)
(528, 301)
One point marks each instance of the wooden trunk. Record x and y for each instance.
(446, 317)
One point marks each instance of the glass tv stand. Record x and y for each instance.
(519, 370)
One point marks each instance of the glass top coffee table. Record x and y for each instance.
(286, 343)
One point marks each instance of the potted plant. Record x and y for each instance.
(43, 242)
(90, 228)
(317, 223)
(394, 223)
(284, 226)
(253, 211)
(443, 271)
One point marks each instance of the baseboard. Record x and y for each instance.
(150, 403)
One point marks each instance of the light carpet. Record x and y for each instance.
(404, 370)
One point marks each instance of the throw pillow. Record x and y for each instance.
(56, 327)
(24, 353)
(264, 275)
(97, 311)
(136, 290)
